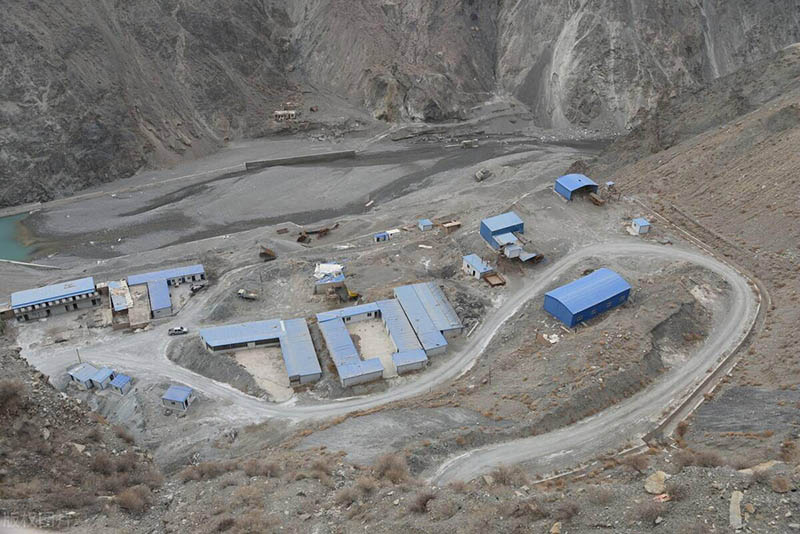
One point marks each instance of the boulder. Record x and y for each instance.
(556, 528)
(656, 483)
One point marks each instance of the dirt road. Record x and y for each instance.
(144, 355)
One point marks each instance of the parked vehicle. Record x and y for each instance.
(482, 174)
(178, 331)
(247, 295)
(197, 287)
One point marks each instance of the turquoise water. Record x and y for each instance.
(10, 247)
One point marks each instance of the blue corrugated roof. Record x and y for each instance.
(502, 221)
(590, 290)
(409, 357)
(428, 334)
(232, 334)
(343, 352)
(381, 234)
(177, 393)
(73, 288)
(120, 381)
(475, 261)
(298, 350)
(641, 222)
(83, 372)
(347, 312)
(330, 279)
(118, 300)
(166, 274)
(158, 290)
(505, 239)
(400, 330)
(436, 305)
(572, 182)
(425, 222)
(102, 374)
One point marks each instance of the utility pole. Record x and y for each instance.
(78, 353)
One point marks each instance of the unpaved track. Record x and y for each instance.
(144, 354)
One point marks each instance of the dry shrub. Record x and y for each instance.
(135, 499)
(708, 459)
(682, 428)
(531, 509)
(190, 472)
(506, 476)
(254, 522)
(780, 484)
(649, 511)
(677, 491)
(346, 496)
(637, 462)
(225, 524)
(126, 462)
(459, 486)
(71, 498)
(420, 503)
(103, 463)
(262, 468)
(247, 495)
(392, 467)
(321, 466)
(207, 470)
(123, 434)
(11, 394)
(683, 458)
(366, 485)
(94, 435)
(566, 510)
(599, 495)
(762, 476)
(114, 483)
(789, 452)
(149, 476)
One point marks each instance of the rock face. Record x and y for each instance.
(93, 91)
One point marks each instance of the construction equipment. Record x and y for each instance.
(267, 254)
(482, 174)
(596, 200)
(469, 143)
(247, 295)
(322, 232)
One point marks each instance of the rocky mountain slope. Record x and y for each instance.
(91, 92)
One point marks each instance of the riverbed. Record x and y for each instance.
(11, 241)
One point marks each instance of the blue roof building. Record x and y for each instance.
(429, 335)
(499, 230)
(570, 183)
(189, 273)
(587, 297)
(292, 335)
(380, 236)
(474, 266)
(427, 294)
(179, 397)
(103, 377)
(82, 375)
(54, 299)
(160, 300)
(119, 295)
(640, 225)
(425, 224)
(351, 368)
(121, 384)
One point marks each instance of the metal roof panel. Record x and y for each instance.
(39, 295)
(590, 290)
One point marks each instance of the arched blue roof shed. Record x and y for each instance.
(570, 183)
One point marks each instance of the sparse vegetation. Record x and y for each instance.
(566, 510)
(708, 459)
(123, 434)
(260, 468)
(677, 491)
(392, 467)
(637, 462)
(507, 476)
(648, 511)
(135, 499)
(346, 496)
(11, 394)
(600, 495)
(420, 503)
(103, 463)
(780, 484)
(366, 485)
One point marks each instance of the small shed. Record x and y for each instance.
(103, 378)
(499, 230)
(178, 397)
(121, 384)
(474, 266)
(425, 224)
(640, 225)
(380, 236)
(82, 374)
(570, 184)
(160, 299)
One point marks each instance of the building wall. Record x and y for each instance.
(304, 379)
(123, 390)
(173, 405)
(104, 384)
(162, 313)
(563, 191)
(361, 379)
(80, 303)
(407, 368)
(554, 307)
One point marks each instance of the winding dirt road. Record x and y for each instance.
(144, 355)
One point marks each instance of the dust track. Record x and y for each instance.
(145, 354)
